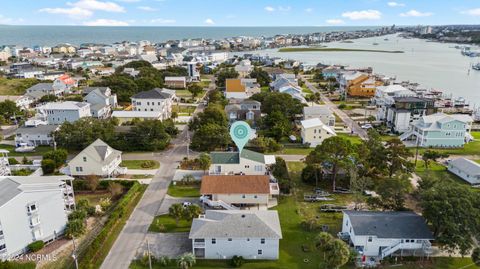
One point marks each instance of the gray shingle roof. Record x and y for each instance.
(466, 165)
(40, 129)
(153, 94)
(8, 190)
(87, 90)
(44, 87)
(403, 224)
(237, 224)
(233, 157)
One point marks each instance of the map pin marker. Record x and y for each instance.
(240, 133)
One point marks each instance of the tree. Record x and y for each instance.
(186, 260)
(453, 211)
(265, 144)
(48, 98)
(81, 133)
(263, 78)
(371, 156)
(282, 102)
(195, 89)
(205, 161)
(192, 211)
(59, 156)
(75, 228)
(210, 137)
(224, 74)
(397, 156)
(174, 115)
(115, 189)
(148, 135)
(322, 240)
(476, 255)
(432, 155)
(8, 108)
(176, 211)
(337, 254)
(392, 193)
(276, 125)
(334, 153)
(48, 166)
(92, 182)
(212, 114)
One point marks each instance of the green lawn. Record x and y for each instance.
(183, 109)
(183, 191)
(292, 150)
(265, 89)
(93, 198)
(436, 170)
(354, 139)
(140, 164)
(15, 86)
(169, 225)
(472, 148)
(40, 150)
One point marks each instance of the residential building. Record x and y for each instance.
(21, 101)
(244, 68)
(246, 163)
(246, 109)
(60, 112)
(466, 169)
(235, 89)
(176, 82)
(358, 84)
(193, 71)
(252, 192)
(439, 130)
(154, 100)
(97, 159)
(35, 136)
(314, 131)
(101, 101)
(379, 234)
(32, 208)
(126, 116)
(222, 234)
(45, 89)
(331, 72)
(321, 112)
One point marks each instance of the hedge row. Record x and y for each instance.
(99, 248)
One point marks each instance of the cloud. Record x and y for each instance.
(74, 12)
(209, 21)
(128, 1)
(163, 21)
(105, 22)
(309, 10)
(284, 9)
(5, 20)
(98, 5)
(334, 21)
(369, 14)
(269, 9)
(415, 13)
(147, 8)
(395, 4)
(472, 12)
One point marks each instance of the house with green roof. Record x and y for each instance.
(247, 162)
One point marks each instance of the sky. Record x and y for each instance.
(239, 12)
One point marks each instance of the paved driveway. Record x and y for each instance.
(167, 244)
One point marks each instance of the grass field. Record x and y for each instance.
(140, 164)
(183, 191)
(15, 86)
(335, 50)
(40, 150)
(93, 198)
(188, 110)
(166, 224)
(472, 148)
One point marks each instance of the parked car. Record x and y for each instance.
(366, 126)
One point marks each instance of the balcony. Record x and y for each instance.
(274, 189)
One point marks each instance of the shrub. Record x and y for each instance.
(115, 189)
(148, 164)
(342, 106)
(75, 228)
(236, 261)
(105, 203)
(12, 161)
(36, 246)
(164, 261)
(48, 166)
(310, 225)
(92, 182)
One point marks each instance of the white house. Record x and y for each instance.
(378, 234)
(32, 208)
(154, 100)
(467, 169)
(21, 101)
(321, 112)
(239, 191)
(60, 112)
(221, 234)
(176, 82)
(244, 68)
(37, 135)
(101, 101)
(97, 159)
(314, 131)
(247, 162)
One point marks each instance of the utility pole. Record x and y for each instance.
(188, 144)
(149, 256)
(74, 256)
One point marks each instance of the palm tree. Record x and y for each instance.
(176, 211)
(186, 260)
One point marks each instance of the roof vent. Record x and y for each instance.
(243, 216)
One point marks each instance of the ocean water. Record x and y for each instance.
(433, 65)
(52, 35)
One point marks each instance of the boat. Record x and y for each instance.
(476, 67)
(386, 39)
(24, 147)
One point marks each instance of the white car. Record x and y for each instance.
(186, 204)
(366, 126)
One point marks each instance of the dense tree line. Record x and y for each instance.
(149, 77)
(149, 135)
(223, 74)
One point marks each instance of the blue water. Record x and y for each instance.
(53, 35)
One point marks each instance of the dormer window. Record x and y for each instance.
(84, 159)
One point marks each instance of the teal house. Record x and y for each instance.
(440, 131)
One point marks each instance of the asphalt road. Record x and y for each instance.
(342, 115)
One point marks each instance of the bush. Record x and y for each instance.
(48, 166)
(342, 106)
(12, 161)
(36, 246)
(236, 261)
(311, 225)
(75, 228)
(148, 164)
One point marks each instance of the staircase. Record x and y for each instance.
(405, 135)
(218, 203)
(391, 249)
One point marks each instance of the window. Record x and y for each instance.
(255, 196)
(2, 247)
(258, 168)
(229, 239)
(259, 252)
(214, 241)
(243, 196)
(262, 241)
(79, 169)
(32, 207)
(84, 159)
(247, 166)
(370, 239)
(148, 103)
